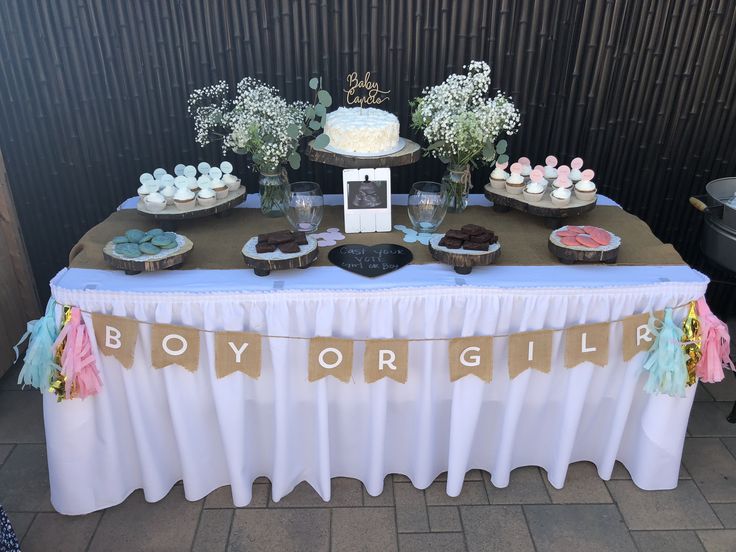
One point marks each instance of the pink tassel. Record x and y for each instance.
(715, 346)
(77, 361)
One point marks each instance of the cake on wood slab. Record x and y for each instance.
(362, 130)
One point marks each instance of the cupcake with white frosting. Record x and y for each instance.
(575, 174)
(534, 191)
(563, 178)
(526, 167)
(550, 168)
(206, 197)
(231, 181)
(147, 188)
(184, 199)
(515, 182)
(219, 187)
(155, 202)
(168, 192)
(499, 176)
(560, 197)
(586, 190)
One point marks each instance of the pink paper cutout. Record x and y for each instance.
(587, 174)
(577, 163)
(329, 237)
(516, 168)
(524, 161)
(551, 161)
(564, 170)
(502, 166)
(536, 175)
(539, 168)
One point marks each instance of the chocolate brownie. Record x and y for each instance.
(289, 247)
(263, 238)
(300, 238)
(277, 238)
(484, 237)
(265, 247)
(451, 243)
(456, 235)
(472, 246)
(473, 229)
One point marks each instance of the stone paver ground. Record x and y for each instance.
(588, 514)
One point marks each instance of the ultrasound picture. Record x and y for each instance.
(369, 194)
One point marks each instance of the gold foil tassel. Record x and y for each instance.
(691, 342)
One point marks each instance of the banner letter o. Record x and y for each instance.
(174, 352)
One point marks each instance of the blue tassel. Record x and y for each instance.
(666, 361)
(38, 364)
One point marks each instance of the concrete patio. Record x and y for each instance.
(587, 515)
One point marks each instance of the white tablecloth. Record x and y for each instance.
(151, 428)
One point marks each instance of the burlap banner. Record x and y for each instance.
(330, 356)
(116, 337)
(471, 355)
(237, 352)
(383, 358)
(587, 344)
(174, 345)
(530, 350)
(386, 358)
(638, 336)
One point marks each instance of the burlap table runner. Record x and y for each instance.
(523, 238)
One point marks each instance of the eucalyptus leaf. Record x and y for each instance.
(322, 141)
(292, 131)
(434, 145)
(314, 83)
(320, 109)
(314, 125)
(501, 146)
(240, 151)
(323, 97)
(294, 160)
(309, 112)
(503, 158)
(489, 152)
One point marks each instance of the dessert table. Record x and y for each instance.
(151, 428)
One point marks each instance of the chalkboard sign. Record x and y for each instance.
(370, 260)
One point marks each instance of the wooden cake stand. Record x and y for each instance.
(133, 266)
(171, 214)
(553, 215)
(411, 153)
(463, 263)
(263, 263)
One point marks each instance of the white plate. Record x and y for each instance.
(400, 145)
(435, 243)
(615, 242)
(180, 240)
(249, 250)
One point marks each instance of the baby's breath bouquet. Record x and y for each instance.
(261, 124)
(463, 125)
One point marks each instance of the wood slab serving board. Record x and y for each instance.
(171, 212)
(542, 208)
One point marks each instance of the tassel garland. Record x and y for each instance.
(715, 346)
(78, 366)
(691, 343)
(38, 362)
(666, 360)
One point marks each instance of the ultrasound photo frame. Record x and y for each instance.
(367, 200)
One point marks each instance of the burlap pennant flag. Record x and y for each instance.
(530, 350)
(237, 352)
(330, 356)
(637, 336)
(386, 358)
(587, 343)
(471, 355)
(116, 337)
(174, 345)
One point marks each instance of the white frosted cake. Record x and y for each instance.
(365, 130)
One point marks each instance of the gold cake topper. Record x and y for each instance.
(370, 88)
